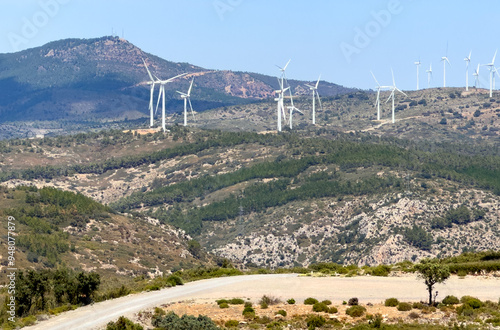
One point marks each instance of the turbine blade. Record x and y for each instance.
(190, 87)
(317, 83)
(319, 100)
(158, 102)
(493, 61)
(149, 73)
(191, 106)
(284, 68)
(375, 79)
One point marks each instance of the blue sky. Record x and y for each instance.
(341, 39)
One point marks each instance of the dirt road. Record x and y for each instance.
(365, 288)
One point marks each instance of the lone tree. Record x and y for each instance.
(432, 273)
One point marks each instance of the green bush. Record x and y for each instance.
(404, 307)
(332, 310)
(327, 302)
(320, 307)
(355, 311)
(248, 313)
(450, 300)
(314, 321)
(291, 301)
(474, 303)
(248, 304)
(123, 324)
(236, 301)
(418, 305)
(391, 302)
(281, 312)
(224, 305)
(231, 323)
(310, 301)
(173, 321)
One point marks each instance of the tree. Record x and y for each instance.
(432, 273)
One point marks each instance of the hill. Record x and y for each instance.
(290, 199)
(76, 84)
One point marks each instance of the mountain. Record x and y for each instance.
(100, 80)
(288, 199)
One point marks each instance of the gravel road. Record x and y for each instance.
(285, 286)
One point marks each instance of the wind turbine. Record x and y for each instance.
(444, 59)
(162, 96)
(314, 95)
(394, 89)
(467, 60)
(186, 97)
(152, 83)
(292, 108)
(379, 88)
(492, 72)
(418, 65)
(429, 76)
(281, 108)
(476, 74)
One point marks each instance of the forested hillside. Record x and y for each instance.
(287, 199)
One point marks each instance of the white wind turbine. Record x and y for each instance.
(152, 83)
(394, 89)
(444, 59)
(314, 95)
(418, 65)
(429, 76)
(467, 60)
(162, 96)
(187, 98)
(281, 107)
(476, 74)
(379, 88)
(291, 109)
(492, 72)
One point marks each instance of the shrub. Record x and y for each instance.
(266, 301)
(353, 302)
(123, 324)
(291, 301)
(380, 270)
(355, 311)
(450, 300)
(248, 313)
(172, 321)
(248, 304)
(326, 302)
(320, 307)
(281, 312)
(443, 121)
(231, 323)
(314, 321)
(404, 307)
(413, 315)
(474, 303)
(224, 305)
(333, 310)
(418, 305)
(310, 301)
(391, 302)
(236, 301)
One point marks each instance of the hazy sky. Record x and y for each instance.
(341, 39)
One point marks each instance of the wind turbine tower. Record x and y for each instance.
(444, 59)
(418, 65)
(429, 76)
(152, 82)
(187, 98)
(292, 108)
(314, 95)
(379, 88)
(492, 72)
(394, 89)
(162, 96)
(467, 60)
(476, 74)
